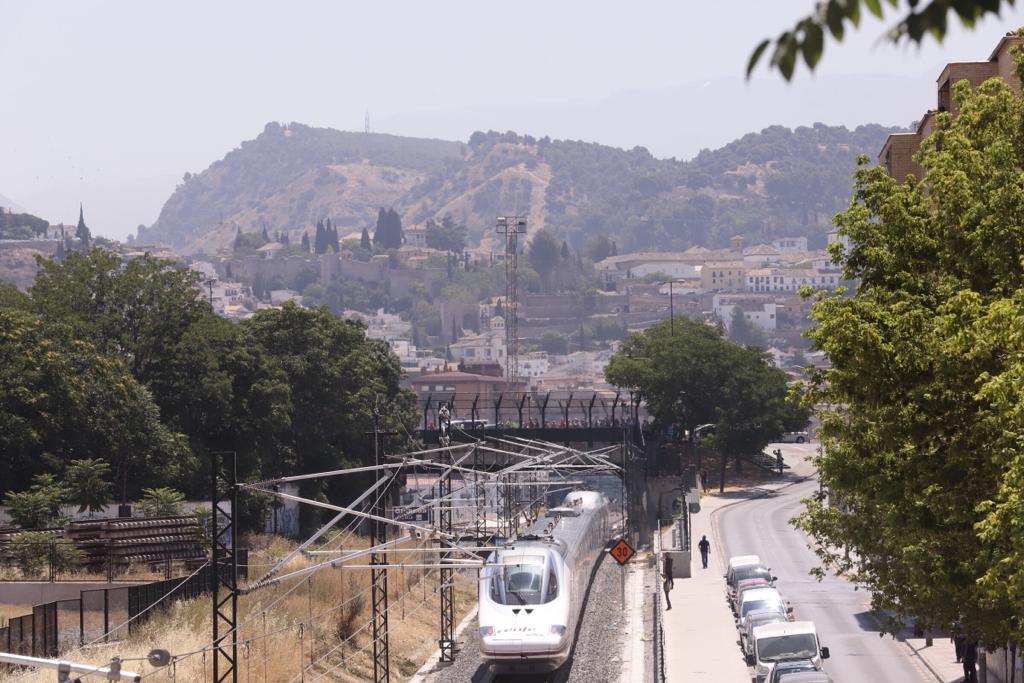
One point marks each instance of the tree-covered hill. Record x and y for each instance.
(764, 185)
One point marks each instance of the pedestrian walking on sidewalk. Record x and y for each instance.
(779, 462)
(704, 480)
(667, 582)
(970, 660)
(705, 547)
(959, 640)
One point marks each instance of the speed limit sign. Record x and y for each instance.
(622, 551)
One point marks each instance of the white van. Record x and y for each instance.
(785, 641)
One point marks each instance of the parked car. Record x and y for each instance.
(737, 562)
(795, 437)
(783, 642)
(782, 671)
(701, 432)
(752, 621)
(736, 594)
(762, 599)
(805, 677)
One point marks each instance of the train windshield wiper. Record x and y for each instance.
(522, 600)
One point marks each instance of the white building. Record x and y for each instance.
(533, 364)
(488, 345)
(789, 279)
(790, 244)
(381, 325)
(757, 310)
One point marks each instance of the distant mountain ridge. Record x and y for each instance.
(764, 185)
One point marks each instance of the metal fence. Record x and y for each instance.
(660, 675)
(104, 613)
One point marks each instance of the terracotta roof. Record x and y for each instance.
(456, 376)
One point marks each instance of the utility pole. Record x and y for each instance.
(446, 643)
(224, 566)
(379, 574)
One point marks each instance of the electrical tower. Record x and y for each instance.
(378, 564)
(366, 122)
(224, 566)
(511, 227)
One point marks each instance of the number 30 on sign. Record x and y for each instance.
(622, 551)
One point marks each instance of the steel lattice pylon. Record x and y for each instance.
(511, 227)
(446, 643)
(379, 575)
(224, 568)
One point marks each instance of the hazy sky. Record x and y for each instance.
(111, 102)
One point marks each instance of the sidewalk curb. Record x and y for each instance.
(917, 653)
(764, 494)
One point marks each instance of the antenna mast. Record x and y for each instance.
(511, 227)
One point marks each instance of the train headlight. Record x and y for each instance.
(486, 631)
(558, 630)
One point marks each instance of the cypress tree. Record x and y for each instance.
(565, 251)
(266, 237)
(320, 242)
(305, 241)
(380, 230)
(615, 249)
(364, 240)
(395, 229)
(332, 236)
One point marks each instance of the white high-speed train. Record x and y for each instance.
(531, 593)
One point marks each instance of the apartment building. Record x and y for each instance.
(898, 151)
(789, 279)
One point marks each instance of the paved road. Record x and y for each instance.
(761, 526)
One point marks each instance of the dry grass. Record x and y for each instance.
(277, 641)
(12, 611)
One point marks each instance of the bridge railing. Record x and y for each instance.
(528, 409)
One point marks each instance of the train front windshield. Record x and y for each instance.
(524, 580)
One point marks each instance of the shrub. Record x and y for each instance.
(161, 502)
(32, 552)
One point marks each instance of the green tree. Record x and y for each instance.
(554, 343)
(12, 297)
(35, 551)
(446, 234)
(926, 359)
(87, 479)
(565, 250)
(744, 332)
(39, 506)
(697, 376)
(543, 255)
(336, 376)
(60, 398)
(598, 248)
(364, 240)
(162, 502)
(388, 233)
(305, 242)
(807, 38)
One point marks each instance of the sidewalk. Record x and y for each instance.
(700, 636)
(940, 658)
(701, 641)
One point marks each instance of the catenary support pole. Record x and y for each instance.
(224, 566)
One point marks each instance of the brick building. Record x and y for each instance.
(898, 151)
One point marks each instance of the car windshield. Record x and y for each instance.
(761, 605)
(795, 646)
(754, 572)
(763, 619)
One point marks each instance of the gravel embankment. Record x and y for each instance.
(597, 654)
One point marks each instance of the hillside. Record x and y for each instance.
(764, 185)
